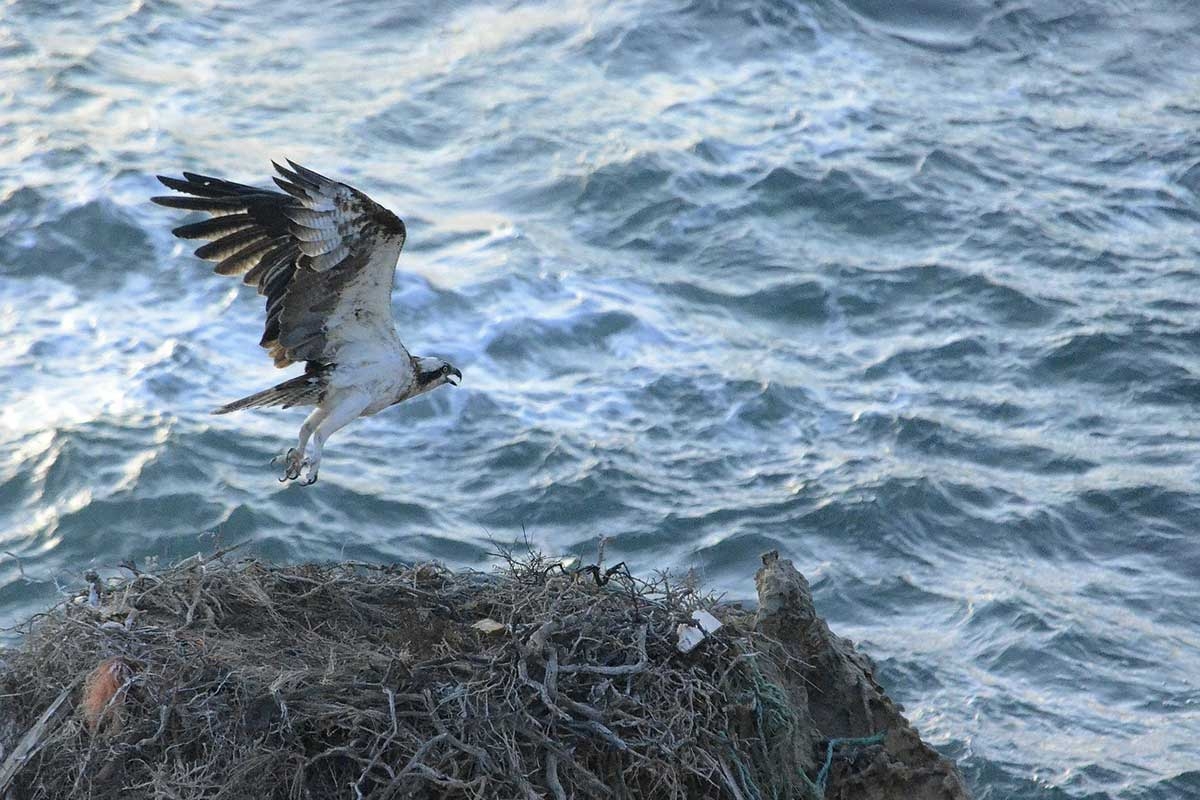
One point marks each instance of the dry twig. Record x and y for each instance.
(366, 681)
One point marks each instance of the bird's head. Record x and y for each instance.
(432, 373)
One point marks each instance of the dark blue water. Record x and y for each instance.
(908, 291)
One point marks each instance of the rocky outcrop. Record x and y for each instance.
(835, 686)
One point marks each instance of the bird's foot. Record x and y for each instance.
(293, 464)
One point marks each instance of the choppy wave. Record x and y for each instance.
(905, 291)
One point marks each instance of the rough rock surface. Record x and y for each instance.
(836, 684)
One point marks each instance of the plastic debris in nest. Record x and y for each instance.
(692, 635)
(489, 626)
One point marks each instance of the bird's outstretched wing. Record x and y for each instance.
(324, 255)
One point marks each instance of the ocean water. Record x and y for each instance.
(907, 291)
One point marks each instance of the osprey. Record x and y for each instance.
(324, 255)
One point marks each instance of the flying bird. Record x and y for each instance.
(324, 255)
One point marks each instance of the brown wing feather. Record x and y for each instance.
(299, 247)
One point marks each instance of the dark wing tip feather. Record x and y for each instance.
(220, 249)
(291, 188)
(198, 203)
(173, 183)
(199, 186)
(215, 226)
(290, 175)
(305, 178)
(299, 179)
(307, 173)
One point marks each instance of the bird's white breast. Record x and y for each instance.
(365, 348)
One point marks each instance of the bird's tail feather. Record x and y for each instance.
(303, 390)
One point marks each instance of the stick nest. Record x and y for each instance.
(231, 679)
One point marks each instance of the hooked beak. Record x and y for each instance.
(450, 379)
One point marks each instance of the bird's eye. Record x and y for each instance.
(445, 369)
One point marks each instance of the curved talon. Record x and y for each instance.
(294, 465)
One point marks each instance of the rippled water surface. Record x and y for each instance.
(908, 291)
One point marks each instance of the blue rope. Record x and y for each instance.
(823, 775)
